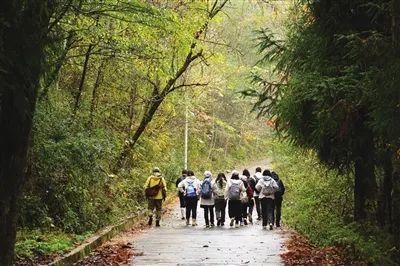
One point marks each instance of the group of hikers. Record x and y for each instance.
(241, 192)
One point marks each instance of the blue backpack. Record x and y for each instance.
(206, 189)
(191, 190)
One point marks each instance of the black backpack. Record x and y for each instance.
(281, 190)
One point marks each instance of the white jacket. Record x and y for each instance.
(266, 181)
(257, 176)
(184, 183)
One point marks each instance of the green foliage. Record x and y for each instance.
(330, 84)
(31, 244)
(103, 69)
(319, 203)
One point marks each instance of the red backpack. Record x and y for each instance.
(249, 192)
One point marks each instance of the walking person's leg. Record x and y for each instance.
(231, 211)
(218, 211)
(244, 212)
(273, 212)
(278, 211)
(251, 207)
(189, 209)
(194, 212)
(158, 206)
(223, 213)
(238, 212)
(264, 203)
(207, 221)
(182, 204)
(150, 208)
(270, 212)
(258, 207)
(212, 215)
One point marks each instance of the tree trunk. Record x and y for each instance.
(147, 117)
(395, 225)
(132, 111)
(384, 213)
(22, 36)
(395, 13)
(362, 172)
(364, 166)
(96, 86)
(53, 75)
(82, 80)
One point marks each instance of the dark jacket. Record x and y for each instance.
(281, 190)
(180, 179)
(252, 183)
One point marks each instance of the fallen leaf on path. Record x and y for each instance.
(301, 252)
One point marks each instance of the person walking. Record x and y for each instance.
(219, 199)
(234, 189)
(267, 187)
(278, 199)
(247, 200)
(181, 195)
(207, 198)
(253, 182)
(190, 187)
(156, 192)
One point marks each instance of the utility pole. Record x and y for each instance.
(186, 133)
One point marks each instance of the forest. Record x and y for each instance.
(94, 94)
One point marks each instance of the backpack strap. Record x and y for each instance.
(159, 183)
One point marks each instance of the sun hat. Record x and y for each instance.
(156, 171)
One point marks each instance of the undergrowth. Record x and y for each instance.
(319, 205)
(35, 243)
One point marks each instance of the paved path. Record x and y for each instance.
(176, 244)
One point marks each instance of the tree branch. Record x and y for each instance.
(189, 85)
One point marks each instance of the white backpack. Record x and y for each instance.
(268, 188)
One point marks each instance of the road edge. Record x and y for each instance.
(96, 240)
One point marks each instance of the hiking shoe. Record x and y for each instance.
(157, 223)
(270, 226)
(245, 221)
(232, 221)
(150, 222)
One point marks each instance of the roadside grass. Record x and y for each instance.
(32, 244)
